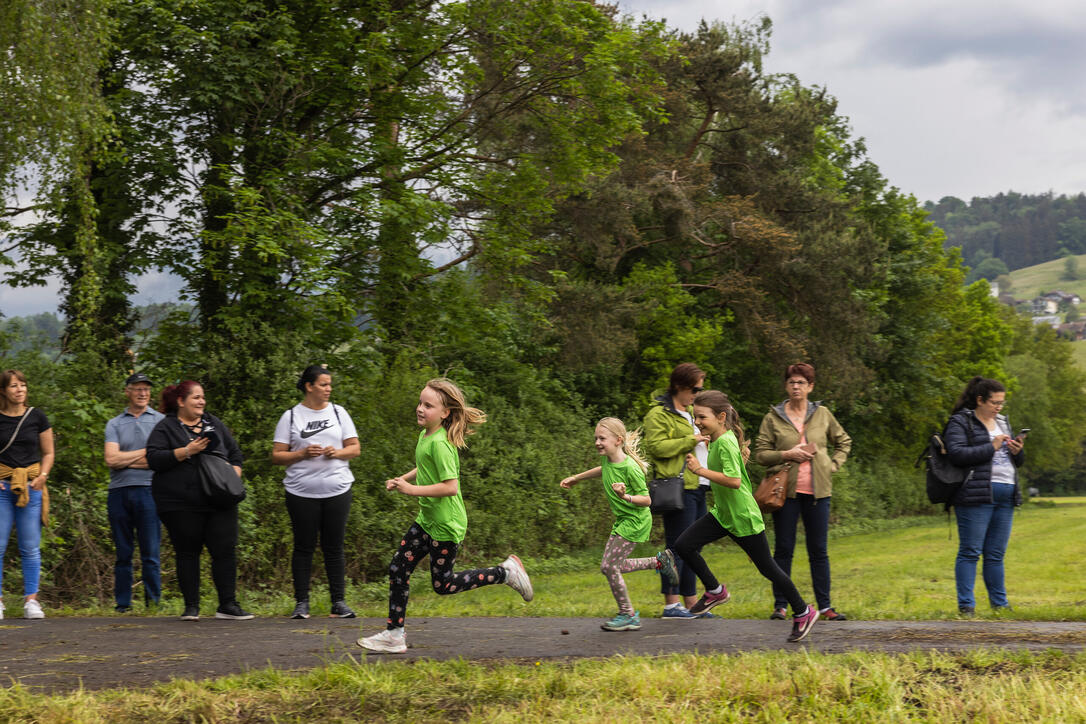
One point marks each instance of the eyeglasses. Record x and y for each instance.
(797, 383)
(995, 403)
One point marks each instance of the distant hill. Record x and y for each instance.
(1020, 230)
(1047, 277)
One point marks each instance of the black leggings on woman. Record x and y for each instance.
(189, 533)
(708, 529)
(415, 545)
(325, 518)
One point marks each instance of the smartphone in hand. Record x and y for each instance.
(1023, 433)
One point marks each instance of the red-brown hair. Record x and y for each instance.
(173, 394)
(802, 369)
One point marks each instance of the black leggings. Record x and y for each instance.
(414, 546)
(189, 533)
(325, 518)
(708, 529)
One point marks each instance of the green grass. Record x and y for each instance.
(902, 570)
(984, 686)
(1033, 280)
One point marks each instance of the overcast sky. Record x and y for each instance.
(962, 98)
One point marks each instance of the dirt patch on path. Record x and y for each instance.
(59, 654)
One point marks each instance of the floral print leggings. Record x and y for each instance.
(615, 563)
(415, 545)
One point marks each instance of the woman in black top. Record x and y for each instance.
(192, 522)
(26, 457)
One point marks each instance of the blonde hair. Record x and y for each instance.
(631, 439)
(460, 421)
(718, 402)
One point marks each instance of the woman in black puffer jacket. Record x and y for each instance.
(979, 439)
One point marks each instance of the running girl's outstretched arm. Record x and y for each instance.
(444, 489)
(712, 476)
(574, 479)
(408, 477)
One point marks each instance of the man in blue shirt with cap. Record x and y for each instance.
(132, 514)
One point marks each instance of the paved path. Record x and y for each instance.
(65, 653)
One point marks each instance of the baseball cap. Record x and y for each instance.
(137, 378)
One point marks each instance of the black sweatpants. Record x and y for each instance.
(189, 533)
(416, 544)
(708, 529)
(326, 519)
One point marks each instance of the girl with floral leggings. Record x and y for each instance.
(623, 473)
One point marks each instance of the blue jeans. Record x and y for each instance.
(27, 522)
(984, 530)
(815, 513)
(132, 518)
(675, 524)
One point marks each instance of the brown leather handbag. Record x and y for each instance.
(772, 490)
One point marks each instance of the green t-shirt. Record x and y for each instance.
(734, 508)
(632, 522)
(443, 519)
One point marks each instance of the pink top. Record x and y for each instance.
(804, 482)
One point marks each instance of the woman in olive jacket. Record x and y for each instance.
(192, 521)
(800, 433)
(667, 435)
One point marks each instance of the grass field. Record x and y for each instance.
(901, 572)
(1033, 280)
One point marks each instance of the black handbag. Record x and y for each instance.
(219, 480)
(667, 493)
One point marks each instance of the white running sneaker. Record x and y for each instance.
(389, 641)
(517, 578)
(32, 609)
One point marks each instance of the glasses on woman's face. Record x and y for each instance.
(996, 403)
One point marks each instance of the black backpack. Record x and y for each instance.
(944, 478)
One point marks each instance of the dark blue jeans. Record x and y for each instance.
(984, 530)
(132, 518)
(815, 514)
(675, 524)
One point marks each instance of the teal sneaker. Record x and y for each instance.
(665, 563)
(623, 622)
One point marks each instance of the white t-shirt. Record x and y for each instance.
(1003, 471)
(701, 450)
(318, 477)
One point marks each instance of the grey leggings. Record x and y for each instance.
(615, 563)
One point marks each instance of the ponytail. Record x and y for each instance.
(172, 394)
(981, 387)
(631, 439)
(461, 420)
(719, 403)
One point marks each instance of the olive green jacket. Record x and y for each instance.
(777, 434)
(666, 438)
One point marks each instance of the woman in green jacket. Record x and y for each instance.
(807, 437)
(667, 435)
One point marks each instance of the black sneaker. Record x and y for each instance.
(122, 609)
(301, 610)
(233, 612)
(192, 613)
(779, 614)
(340, 609)
(967, 611)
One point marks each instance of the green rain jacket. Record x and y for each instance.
(666, 438)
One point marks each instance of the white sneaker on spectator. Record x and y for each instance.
(32, 609)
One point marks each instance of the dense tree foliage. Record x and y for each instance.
(1018, 229)
(549, 203)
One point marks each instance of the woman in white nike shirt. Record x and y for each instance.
(314, 440)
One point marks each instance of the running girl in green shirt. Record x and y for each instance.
(623, 473)
(734, 513)
(442, 522)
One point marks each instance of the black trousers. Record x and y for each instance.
(189, 533)
(326, 519)
(708, 529)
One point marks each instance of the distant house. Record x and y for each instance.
(1049, 302)
(1073, 331)
(1052, 320)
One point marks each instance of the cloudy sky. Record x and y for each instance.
(961, 98)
